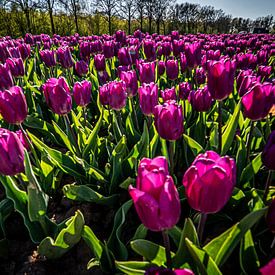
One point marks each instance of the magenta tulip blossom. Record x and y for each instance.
(82, 93)
(268, 155)
(148, 98)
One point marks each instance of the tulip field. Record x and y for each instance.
(139, 154)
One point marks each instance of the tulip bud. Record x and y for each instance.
(48, 57)
(16, 66)
(104, 94)
(120, 36)
(183, 62)
(99, 61)
(264, 71)
(81, 68)
(117, 95)
(11, 153)
(258, 101)
(209, 182)
(247, 83)
(169, 120)
(25, 50)
(108, 49)
(270, 217)
(124, 57)
(57, 95)
(23, 140)
(268, 155)
(184, 90)
(149, 49)
(220, 78)
(269, 268)
(13, 105)
(148, 98)
(5, 77)
(130, 80)
(82, 93)
(85, 51)
(155, 197)
(161, 67)
(172, 69)
(200, 76)
(64, 57)
(241, 76)
(193, 54)
(169, 94)
(201, 100)
(147, 72)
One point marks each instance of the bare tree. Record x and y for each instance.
(160, 9)
(128, 10)
(49, 5)
(140, 7)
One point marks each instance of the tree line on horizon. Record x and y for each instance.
(65, 17)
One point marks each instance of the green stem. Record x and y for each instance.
(220, 125)
(135, 113)
(69, 129)
(268, 182)
(171, 155)
(201, 225)
(149, 124)
(166, 243)
(248, 144)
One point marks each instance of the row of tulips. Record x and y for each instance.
(142, 113)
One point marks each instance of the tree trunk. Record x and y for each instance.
(109, 23)
(76, 21)
(27, 14)
(158, 26)
(51, 19)
(129, 21)
(141, 20)
(150, 24)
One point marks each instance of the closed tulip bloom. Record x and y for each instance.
(23, 140)
(85, 50)
(241, 76)
(200, 76)
(247, 83)
(82, 93)
(124, 57)
(5, 77)
(104, 94)
(184, 90)
(11, 153)
(183, 62)
(48, 57)
(133, 51)
(99, 61)
(117, 94)
(161, 67)
(258, 101)
(148, 98)
(81, 68)
(120, 36)
(57, 95)
(177, 47)
(25, 50)
(270, 217)
(209, 182)
(264, 71)
(169, 94)
(172, 69)
(169, 120)
(155, 197)
(103, 77)
(166, 48)
(193, 54)
(220, 78)
(149, 47)
(13, 105)
(108, 49)
(64, 57)
(201, 100)
(268, 269)
(14, 52)
(147, 72)
(268, 155)
(16, 66)
(130, 80)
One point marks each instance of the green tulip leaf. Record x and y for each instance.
(195, 147)
(133, 267)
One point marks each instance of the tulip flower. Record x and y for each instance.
(183, 62)
(220, 78)
(81, 68)
(258, 101)
(25, 50)
(241, 76)
(147, 72)
(48, 57)
(149, 49)
(172, 69)
(117, 95)
(201, 100)
(270, 217)
(169, 94)
(16, 66)
(23, 140)
(57, 95)
(269, 268)
(130, 80)
(184, 90)
(104, 94)
(169, 120)
(124, 57)
(64, 57)
(209, 182)
(13, 105)
(148, 98)
(193, 54)
(161, 67)
(120, 36)
(5, 77)
(82, 93)
(11, 153)
(99, 62)
(108, 49)
(200, 76)
(155, 197)
(247, 82)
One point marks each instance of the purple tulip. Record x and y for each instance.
(81, 68)
(11, 153)
(270, 217)
(247, 82)
(104, 94)
(23, 140)
(14, 52)
(103, 77)
(5, 77)
(147, 72)
(16, 66)
(149, 47)
(130, 80)
(220, 78)
(25, 50)
(184, 90)
(258, 101)
(120, 36)
(209, 182)
(200, 76)
(117, 95)
(99, 61)
(148, 98)
(172, 69)
(264, 72)
(201, 100)
(166, 48)
(169, 120)
(241, 76)
(268, 155)
(269, 268)
(183, 62)
(169, 94)
(161, 67)
(124, 57)
(155, 196)
(64, 57)
(48, 57)
(57, 95)
(13, 105)
(108, 49)
(193, 54)
(82, 93)
(85, 50)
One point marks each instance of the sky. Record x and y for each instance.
(240, 8)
